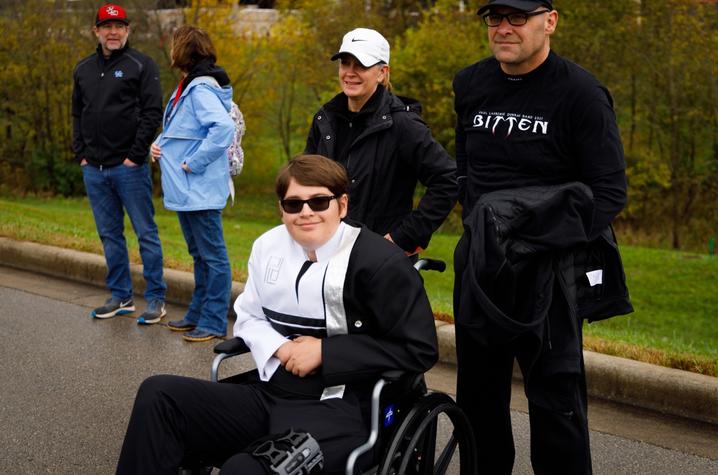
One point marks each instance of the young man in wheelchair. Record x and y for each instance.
(327, 307)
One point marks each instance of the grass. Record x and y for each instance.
(675, 293)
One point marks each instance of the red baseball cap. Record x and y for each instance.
(111, 12)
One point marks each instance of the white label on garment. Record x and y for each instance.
(595, 277)
(333, 392)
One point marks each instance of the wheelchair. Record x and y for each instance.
(403, 421)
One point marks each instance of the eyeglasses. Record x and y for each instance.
(317, 203)
(515, 19)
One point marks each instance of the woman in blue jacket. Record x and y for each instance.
(192, 151)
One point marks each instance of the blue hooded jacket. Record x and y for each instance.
(197, 131)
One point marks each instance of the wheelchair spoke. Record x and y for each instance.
(428, 449)
(407, 427)
(414, 444)
(428, 422)
(447, 454)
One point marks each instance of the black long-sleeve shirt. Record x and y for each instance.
(553, 125)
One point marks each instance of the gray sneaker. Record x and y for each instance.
(154, 313)
(113, 307)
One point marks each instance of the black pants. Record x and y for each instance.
(557, 412)
(178, 421)
(555, 387)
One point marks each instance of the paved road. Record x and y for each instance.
(68, 383)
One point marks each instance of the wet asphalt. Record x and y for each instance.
(68, 383)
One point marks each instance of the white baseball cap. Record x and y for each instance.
(368, 46)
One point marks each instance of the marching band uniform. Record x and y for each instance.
(362, 297)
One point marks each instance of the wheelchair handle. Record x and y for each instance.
(430, 264)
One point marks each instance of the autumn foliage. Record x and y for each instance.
(659, 58)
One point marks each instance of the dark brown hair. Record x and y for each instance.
(190, 45)
(312, 170)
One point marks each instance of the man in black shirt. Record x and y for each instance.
(531, 122)
(116, 109)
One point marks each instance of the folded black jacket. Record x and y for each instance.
(517, 244)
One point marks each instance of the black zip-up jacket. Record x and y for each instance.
(392, 152)
(116, 107)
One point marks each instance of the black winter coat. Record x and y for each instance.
(386, 160)
(116, 107)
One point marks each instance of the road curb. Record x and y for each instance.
(666, 390)
(670, 391)
(90, 268)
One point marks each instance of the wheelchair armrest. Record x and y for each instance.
(411, 382)
(393, 376)
(233, 346)
(227, 349)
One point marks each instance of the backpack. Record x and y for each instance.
(235, 154)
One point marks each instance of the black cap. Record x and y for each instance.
(523, 5)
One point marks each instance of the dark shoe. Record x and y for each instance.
(180, 325)
(198, 335)
(154, 313)
(113, 307)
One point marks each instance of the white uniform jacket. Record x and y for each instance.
(362, 296)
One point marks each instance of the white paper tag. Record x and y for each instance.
(333, 392)
(595, 277)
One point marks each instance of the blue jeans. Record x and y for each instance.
(109, 191)
(212, 274)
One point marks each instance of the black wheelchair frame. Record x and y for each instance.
(408, 446)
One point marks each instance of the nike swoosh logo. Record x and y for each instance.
(354, 39)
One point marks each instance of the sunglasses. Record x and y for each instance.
(318, 203)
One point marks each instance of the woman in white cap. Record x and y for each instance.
(385, 146)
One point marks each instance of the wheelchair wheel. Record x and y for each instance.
(413, 446)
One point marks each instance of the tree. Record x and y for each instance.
(659, 60)
(445, 41)
(680, 125)
(35, 88)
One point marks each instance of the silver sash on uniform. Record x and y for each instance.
(336, 316)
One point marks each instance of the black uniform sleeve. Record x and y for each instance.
(437, 172)
(150, 117)
(406, 335)
(78, 144)
(601, 161)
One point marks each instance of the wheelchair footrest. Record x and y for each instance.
(292, 453)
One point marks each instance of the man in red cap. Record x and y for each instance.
(541, 175)
(116, 110)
